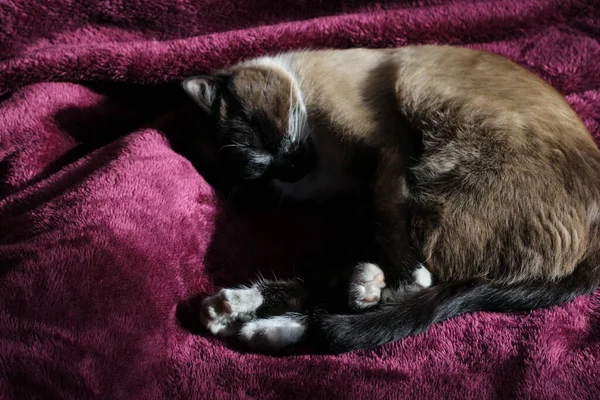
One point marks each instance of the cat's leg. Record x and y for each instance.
(396, 267)
(225, 313)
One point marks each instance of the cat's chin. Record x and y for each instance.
(317, 186)
(306, 188)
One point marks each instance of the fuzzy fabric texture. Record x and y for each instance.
(107, 235)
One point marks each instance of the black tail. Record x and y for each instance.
(419, 310)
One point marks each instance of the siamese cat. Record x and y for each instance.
(481, 183)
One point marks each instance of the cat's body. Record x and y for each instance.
(473, 167)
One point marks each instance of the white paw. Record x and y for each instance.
(273, 333)
(223, 313)
(422, 276)
(365, 285)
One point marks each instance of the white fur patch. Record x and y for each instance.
(261, 159)
(273, 333)
(422, 276)
(365, 285)
(594, 213)
(297, 120)
(221, 311)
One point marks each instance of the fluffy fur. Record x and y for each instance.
(468, 163)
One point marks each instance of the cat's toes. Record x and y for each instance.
(365, 286)
(223, 313)
(274, 333)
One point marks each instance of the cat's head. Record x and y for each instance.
(258, 124)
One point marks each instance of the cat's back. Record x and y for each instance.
(481, 86)
(432, 78)
(353, 86)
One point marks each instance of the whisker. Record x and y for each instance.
(226, 146)
(261, 277)
(231, 194)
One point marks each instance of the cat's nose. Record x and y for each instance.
(294, 166)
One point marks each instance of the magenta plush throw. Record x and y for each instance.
(107, 234)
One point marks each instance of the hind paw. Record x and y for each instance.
(365, 286)
(224, 313)
(421, 279)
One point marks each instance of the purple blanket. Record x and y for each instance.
(107, 235)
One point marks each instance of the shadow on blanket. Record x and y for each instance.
(287, 242)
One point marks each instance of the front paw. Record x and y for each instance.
(224, 313)
(365, 286)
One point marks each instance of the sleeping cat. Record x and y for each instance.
(481, 183)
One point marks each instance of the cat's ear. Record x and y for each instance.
(203, 90)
